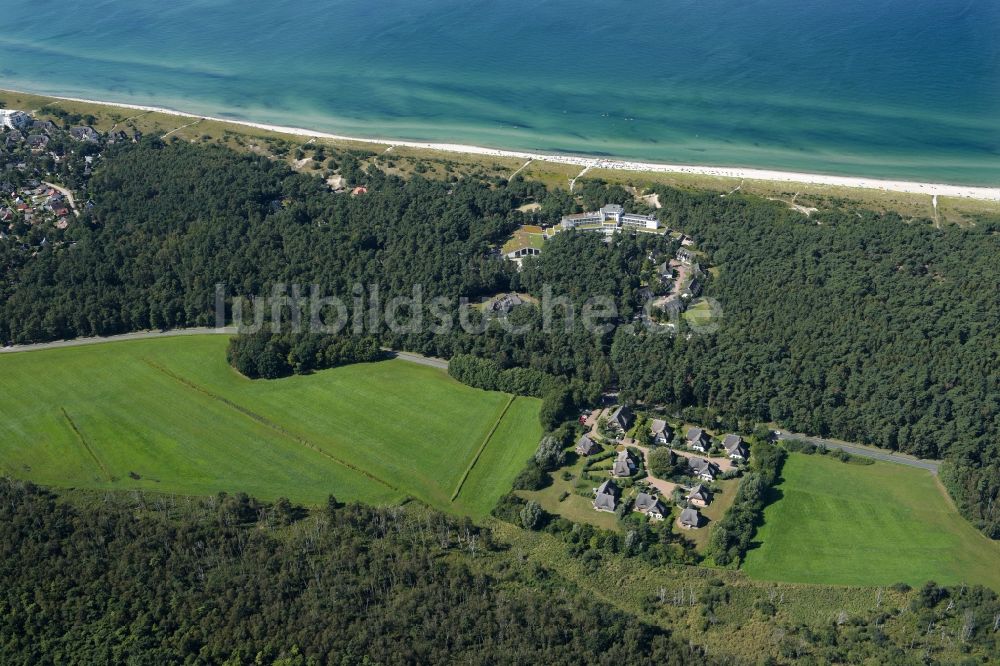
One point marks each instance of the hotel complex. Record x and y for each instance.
(609, 219)
(14, 119)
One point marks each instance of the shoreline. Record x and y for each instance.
(590, 162)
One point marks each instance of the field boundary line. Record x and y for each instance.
(482, 447)
(264, 421)
(86, 445)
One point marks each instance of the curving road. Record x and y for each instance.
(175, 332)
(866, 451)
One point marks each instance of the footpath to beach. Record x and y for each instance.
(585, 162)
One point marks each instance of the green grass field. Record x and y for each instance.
(173, 413)
(867, 525)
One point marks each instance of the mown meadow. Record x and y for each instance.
(849, 524)
(171, 416)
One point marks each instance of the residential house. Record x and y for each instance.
(649, 505)
(693, 288)
(14, 137)
(38, 142)
(685, 256)
(46, 126)
(505, 303)
(624, 465)
(690, 518)
(84, 133)
(585, 446)
(117, 136)
(673, 307)
(622, 418)
(735, 447)
(662, 433)
(703, 469)
(666, 272)
(606, 496)
(698, 439)
(699, 496)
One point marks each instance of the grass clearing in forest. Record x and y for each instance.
(170, 415)
(849, 524)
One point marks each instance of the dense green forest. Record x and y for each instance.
(848, 323)
(153, 579)
(230, 580)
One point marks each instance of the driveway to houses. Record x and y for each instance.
(176, 332)
(66, 193)
(591, 422)
(931, 466)
(666, 488)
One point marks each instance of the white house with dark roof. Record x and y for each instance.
(690, 518)
(504, 303)
(84, 133)
(698, 439)
(622, 418)
(735, 447)
(702, 469)
(661, 431)
(692, 289)
(606, 496)
(585, 446)
(624, 465)
(650, 506)
(699, 496)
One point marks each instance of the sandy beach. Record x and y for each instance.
(585, 162)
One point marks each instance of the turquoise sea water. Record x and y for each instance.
(889, 88)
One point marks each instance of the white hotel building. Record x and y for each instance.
(14, 119)
(610, 219)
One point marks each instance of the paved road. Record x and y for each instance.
(229, 330)
(867, 451)
(141, 335)
(417, 358)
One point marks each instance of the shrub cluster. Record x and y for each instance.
(264, 355)
(733, 534)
